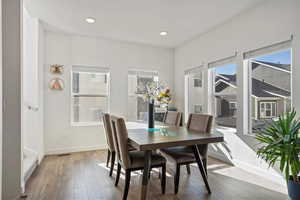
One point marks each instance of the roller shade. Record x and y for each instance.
(268, 49)
(194, 70)
(223, 61)
(142, 73)
(80, 68)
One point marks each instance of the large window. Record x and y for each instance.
(269, 87)
(224, 94)
(194, 99)
(89, 95)
(137, 81)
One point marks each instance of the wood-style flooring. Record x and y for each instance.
(84, 176)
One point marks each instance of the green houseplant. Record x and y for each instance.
(280, 143)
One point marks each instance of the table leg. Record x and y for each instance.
(201, 167)
(147, 167)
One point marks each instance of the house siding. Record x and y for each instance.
(270, 75)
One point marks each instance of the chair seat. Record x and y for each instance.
(131, 148)
(138, 159)
(178, 155)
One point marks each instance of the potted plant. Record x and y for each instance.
(281, 144)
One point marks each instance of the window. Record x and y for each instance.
(137, 80)
(197, 82)
(197, 108)
(269, 87)
(194, 97)
(224, 98)
(232, 105)
(89, 95)
(267, 109)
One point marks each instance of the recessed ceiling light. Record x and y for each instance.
(90, 20)
(163, 33)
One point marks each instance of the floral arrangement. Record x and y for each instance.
(164, 97)
(156, 92)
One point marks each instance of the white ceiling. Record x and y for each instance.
(138, 20)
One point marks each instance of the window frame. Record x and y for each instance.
(201, 69)
(213, 94)
(139, 73)
(88, 70)
(285, 45)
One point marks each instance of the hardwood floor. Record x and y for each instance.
(84, 176)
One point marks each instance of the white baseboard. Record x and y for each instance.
(74, 149)
(267, 174)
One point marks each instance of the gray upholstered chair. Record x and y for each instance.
(111, 152)
(172, 118)
(109, 139)
(184, 155)
(132, 160)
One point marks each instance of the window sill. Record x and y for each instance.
(225, 130)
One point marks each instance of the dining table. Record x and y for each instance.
(162, 136)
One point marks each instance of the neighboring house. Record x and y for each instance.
(271, 88)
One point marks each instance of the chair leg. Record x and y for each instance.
(176, 178)
(113, 156)
(108, 157)
(163, 179)
(188, 169)
(204, 161)
(118, 174)
(150, 173)
(127, 183)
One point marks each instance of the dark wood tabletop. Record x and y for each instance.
(143, 138)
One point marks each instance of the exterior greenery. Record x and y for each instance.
(281, 144)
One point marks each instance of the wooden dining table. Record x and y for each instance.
(163, 136)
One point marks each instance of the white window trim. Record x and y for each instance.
(89, 70)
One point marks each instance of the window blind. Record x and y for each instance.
(80, 68)
(223, 61)
(194, 70)
(268, 49)
(142, 73)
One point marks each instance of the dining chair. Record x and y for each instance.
(184, 155)
(172, 118)
(111, 152)
(132, 160)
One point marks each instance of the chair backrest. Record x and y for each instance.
(120, 137)
(200, 122)
(108, 132)
(172, 118)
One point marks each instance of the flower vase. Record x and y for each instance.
(151, 114)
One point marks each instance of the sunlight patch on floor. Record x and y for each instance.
(154, 172)
(239, 174)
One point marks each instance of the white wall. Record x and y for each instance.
(269, 23)
(1, 99)
(70, 50)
